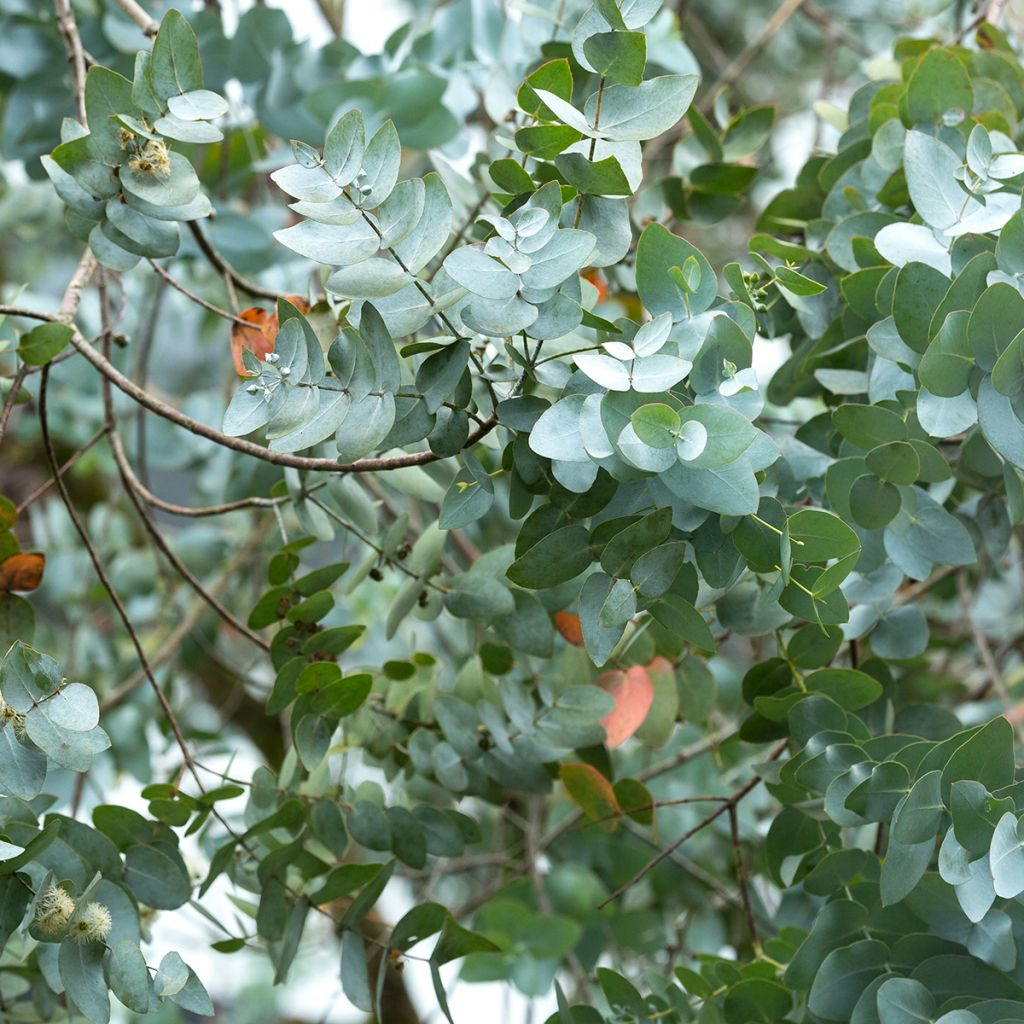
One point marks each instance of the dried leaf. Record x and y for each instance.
(569, 626)
(23, 571)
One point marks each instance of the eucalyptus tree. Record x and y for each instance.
(633, 676)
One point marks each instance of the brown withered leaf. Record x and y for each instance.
(23, 571)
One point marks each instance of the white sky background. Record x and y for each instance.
(367, 22)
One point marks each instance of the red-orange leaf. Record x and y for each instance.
(592, 793)
(261, 337)
(258, 339)
(596, 278)
(569, 626)
(633, 693)
(23, 571)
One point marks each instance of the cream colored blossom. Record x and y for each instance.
(92, 924)
(53, 910)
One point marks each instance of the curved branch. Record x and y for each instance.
(172, 643)
(198, 300)
(221, 264)
(129, 481)
(108, 586)
(190, 512)
(238, 444)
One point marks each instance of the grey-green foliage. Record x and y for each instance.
(125, 188)
(72, 895)
(664, 509)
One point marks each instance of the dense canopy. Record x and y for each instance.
(479, 511)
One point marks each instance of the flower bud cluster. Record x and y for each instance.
(54, 912)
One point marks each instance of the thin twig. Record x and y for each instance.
(741, 875)
(143, 351)
(12, 398)
(225, 268)
(702, 746)
(108, 586)
(812, 12)
(915, 590)
(165, 549)
(201, 511)
(172, 644)
(991, 14)
(753, 50)
(728, 76)
(76, 57)
(139, 16)
(197, 299)
(995, 677)
(699, 827)
(44, 487)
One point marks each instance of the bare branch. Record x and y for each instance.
(699, 827)
(76, 56)
(139, 16)
(108, 586)
(44, 487)
(995, 677)
(225, 268)
(196, 298)
(172, 644)
(128, 479)
(741, 875)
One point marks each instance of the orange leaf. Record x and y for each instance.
(596, 278)
(592, 793)
(258, 339)
(569, 626)
(23, 571)
(262, 335)
(633, 693)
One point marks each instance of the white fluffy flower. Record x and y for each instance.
(53, 910)
(92, 924)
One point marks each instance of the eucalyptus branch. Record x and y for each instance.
(171, 645)
(225, 268)
(139, 16)
(168, 412)
(12, 398)
(741, 875)
(76, 56)
(197, 299)
(995, 679)
(160, 543)
(68, 463)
